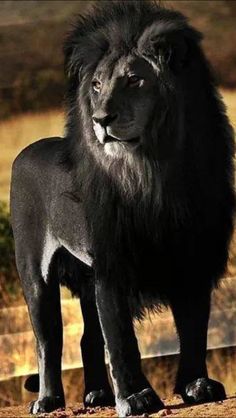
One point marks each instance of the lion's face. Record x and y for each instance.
(123, 96)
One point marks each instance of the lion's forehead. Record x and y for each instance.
(113, 67)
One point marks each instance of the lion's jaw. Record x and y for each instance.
(117, 149)
(132, 172)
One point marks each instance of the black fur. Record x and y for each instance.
(156, 225)
(189, 193)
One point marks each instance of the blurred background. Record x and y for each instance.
(31, 94)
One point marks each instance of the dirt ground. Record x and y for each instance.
(174, 408)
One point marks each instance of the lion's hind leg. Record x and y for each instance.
(33, 248)
(43, 300)
(45, 311)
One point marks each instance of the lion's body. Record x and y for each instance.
(140, 209)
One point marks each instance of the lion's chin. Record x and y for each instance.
(118, 149)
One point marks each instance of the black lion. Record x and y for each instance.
(132, 209)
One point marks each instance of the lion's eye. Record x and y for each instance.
(96, 85)
(135, 80)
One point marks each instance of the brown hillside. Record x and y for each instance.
(31, 38)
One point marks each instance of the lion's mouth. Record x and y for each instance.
(109, 138)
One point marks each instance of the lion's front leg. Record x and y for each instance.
(97, 390)
(133, 393)
(191, 314)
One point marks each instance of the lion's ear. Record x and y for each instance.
(165, 45)
(174, 51)
(82, 55)
(72, 62)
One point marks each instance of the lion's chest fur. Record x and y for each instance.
(152, 250)
(141, 244)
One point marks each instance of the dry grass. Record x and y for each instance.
(19, 131)
(230, 101)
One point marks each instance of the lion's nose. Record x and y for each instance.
(104, 119)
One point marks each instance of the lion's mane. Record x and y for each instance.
(161, 220)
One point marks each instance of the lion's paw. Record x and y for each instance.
(203, 390)
(100, 397)
(46, 404)
(139, 403)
